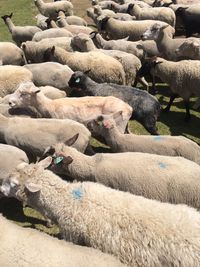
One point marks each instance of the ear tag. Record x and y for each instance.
(58, 160)
(77, 80)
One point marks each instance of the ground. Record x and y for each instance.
(172, 123)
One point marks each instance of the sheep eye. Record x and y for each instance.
(77, 80)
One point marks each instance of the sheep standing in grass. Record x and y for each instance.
(146, 108)
(165, 14)
(136, 230)
(160, 145)
(103, 68)
(20, 33)
(51, 33)
(22, 247)
(183, 78)
(120, 29)
(10, 54)
(51, 9)
(34, 135)
(11, 77)
(78, 109)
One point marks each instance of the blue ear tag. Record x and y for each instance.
(77, 80)
(58, 160)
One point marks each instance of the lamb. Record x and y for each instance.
(73, 20)
(78, 109)
(19, 33)
(130, 63)
(34, 51)
(165, 14)
(182, 78)
(166, 45)
(160, 145)
(138, 48)
(32, 248)
(51, 73)
(136, 230)
(120, 29)
(34, 135)
(74, 29)
(103, 68)
(125, 8)
(51, 33)
(146, 108)
(10, 54)
(189, 49)
(11, 77)
(51, 9)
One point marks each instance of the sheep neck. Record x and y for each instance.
(100, 41)
(40, 4)
(43, 105)
(112, 137)
(82, 167)
(163, 41)
(10, 25)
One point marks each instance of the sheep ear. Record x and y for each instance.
(49, 151)
(67, 160)
(117, 114)
(45, 162)
(23, 46)
(10, 16)
(93, 34)
(33, 188)
(53, 50)
(72, 140)
(158, 62)
(87, 72)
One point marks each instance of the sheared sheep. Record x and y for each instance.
(136, 230)
(183, 78)
(51, 9)
(74, 29)
(117, 29)
(22, 247)
(78, 109)
(51, 73)
(161, 145)
(20, 33)
(51, 33)
(146, 108)
(103, 68)
(34, 135)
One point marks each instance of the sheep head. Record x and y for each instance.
(77, 83)
(189, 49)
(24, 96)
(7, 16)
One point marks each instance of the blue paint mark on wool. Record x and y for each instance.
(158, 138)
(162, 165)
(77, 193)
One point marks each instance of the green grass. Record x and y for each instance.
(169, 123)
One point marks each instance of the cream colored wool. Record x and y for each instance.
(138, 231)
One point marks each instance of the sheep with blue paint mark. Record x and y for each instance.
(164, 178)
(136, 230)
(166, 145)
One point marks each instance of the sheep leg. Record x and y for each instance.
(153, 90)
(144, 83)
(187, 108)
(173, 96)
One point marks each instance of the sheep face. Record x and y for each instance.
(153, 32)
(81, 41)
(24, 96)
(77, 83)
(21, 181)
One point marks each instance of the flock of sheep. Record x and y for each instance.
(64, 82)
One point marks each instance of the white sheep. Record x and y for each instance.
(78, 109)
(130, 63)
(51, 9)
(41, 21)
(11, 77)
(117, 29)
(165, 14)
(35, 135)
(34, 51)
(73, 20)
(189, 49)
(51, 73)
(74, 29)
(22, 247)
(51, 33)
(103, 68)
(136, 230)
(160, 145)
(183, 78)
(10, 54)
(20, 33)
